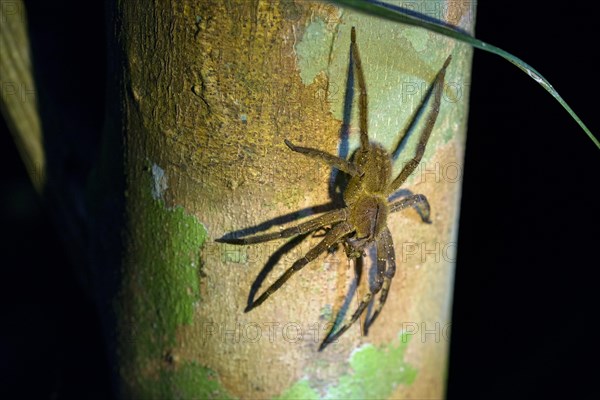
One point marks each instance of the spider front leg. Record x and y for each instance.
(329, 159)
(383, 256)
(333, 236)
(409, 168)
(363, 103)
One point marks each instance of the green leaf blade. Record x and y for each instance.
(410, 17)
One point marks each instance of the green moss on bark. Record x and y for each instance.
(375, 373)
(162, 292)
(190, 381)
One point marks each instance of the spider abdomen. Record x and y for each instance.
(368, 215)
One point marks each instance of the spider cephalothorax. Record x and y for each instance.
(364, 219)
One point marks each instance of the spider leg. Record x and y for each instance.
(380, 280)
(385, 245)
(308, 226)
(362, 88)
(333, 236)
(329, 159)
(417, 201)
(437, 88)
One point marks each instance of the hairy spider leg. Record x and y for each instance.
(305, 227)
(329, 159)
(333, 236)
(413, 122)
(380, 278)
(418, 202)
(362, 95)
(385, 244)
(438, 87)
(335, 161)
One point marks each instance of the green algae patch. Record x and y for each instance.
(161, 288)
(166, 270)
(376, 372)
(301, 390)
(190, 381)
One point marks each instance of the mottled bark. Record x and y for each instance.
(203, 94)
(211, 92)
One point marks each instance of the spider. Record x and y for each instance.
(364, 219)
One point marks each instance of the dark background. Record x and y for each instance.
(526, 287)
(529, 228)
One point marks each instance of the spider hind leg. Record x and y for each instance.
(417, 201)
(385, 254)
(305, 227)
(387, 247)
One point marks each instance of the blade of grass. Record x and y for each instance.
(410, 17)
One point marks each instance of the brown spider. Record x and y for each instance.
(364, 219)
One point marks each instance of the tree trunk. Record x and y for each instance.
(210, 90)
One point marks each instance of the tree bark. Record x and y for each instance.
(210, 90)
